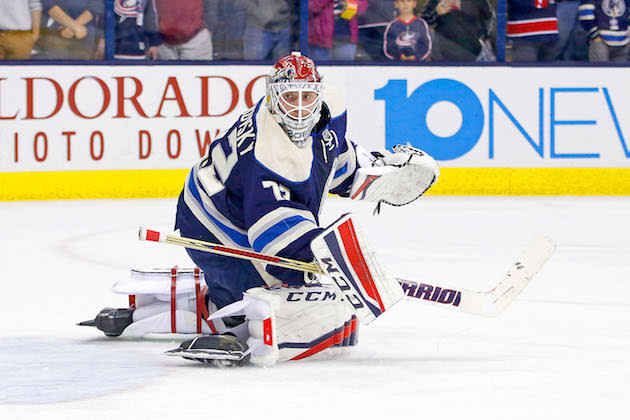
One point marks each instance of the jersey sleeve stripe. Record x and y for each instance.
(348, 165)
(341, 170)
(275, 231)
(274, 217)
(275, 227)
(283, 237)
(208, 219)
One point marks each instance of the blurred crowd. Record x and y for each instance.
(338, 30)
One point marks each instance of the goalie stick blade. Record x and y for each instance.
(495, 301)
(519, 275)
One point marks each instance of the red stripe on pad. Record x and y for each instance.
(351, 245)
(198, 298)
(267, 332)
(202, 309)
(347, 330)
(173, 298)
(329, 342)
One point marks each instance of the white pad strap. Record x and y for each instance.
(157, 282)
(164, 292)
(345, 256)
(160, 324)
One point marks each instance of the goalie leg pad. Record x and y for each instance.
(294, 323)
(345, 256)
(162, 301)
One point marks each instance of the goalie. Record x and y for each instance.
(261, 187)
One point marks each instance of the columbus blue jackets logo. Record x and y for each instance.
(407, 39)
(614, 8)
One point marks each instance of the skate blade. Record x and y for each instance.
(205, 355)
(90, 323)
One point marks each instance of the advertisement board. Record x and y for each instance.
(127, 131)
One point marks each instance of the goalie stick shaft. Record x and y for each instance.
(490, 303)
(155, 236)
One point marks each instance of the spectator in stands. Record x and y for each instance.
(333, 29)
(267, 29)
(571, 45)
(407, 38)
(71, 29)
(372, 26)
(19, 28)
(183, 28)
(462, 29)
(227, 31)
(132, 42)
(533, 28)
(606, 25)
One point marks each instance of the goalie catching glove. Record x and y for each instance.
(396, 178)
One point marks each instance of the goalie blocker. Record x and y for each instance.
(348, 260)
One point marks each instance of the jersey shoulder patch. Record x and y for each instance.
(276, 152)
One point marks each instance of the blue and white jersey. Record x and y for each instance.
(407, 38)
(605, 18)
(132, 41)
(256, 190)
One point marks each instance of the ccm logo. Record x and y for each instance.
(311, 296)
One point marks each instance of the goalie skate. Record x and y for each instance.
(220, 350)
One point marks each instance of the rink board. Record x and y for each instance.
(453, 181)
(134, 131)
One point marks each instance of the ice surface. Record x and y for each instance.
(560, 352)
(36, 370)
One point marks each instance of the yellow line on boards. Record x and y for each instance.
(157, 183)
(533, 181)
(153, 183)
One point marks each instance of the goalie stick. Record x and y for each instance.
(500, 297)
(490, 303)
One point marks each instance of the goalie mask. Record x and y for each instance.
(294, 95)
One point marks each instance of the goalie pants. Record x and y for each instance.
(227, 277)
